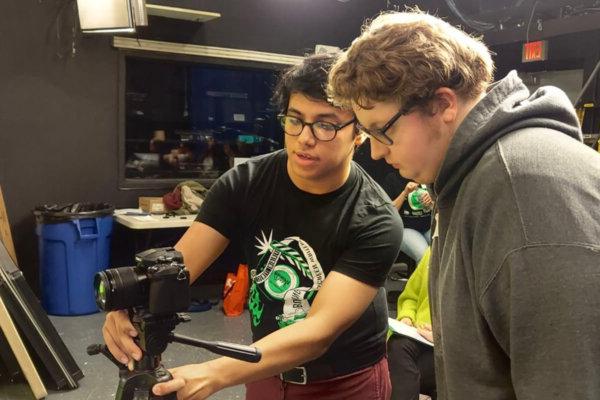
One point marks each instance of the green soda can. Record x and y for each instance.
(414, 199)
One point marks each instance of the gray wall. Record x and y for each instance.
(58, 110)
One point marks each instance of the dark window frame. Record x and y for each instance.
(152, 183)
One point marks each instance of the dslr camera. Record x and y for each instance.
(155, 292)
(159, 283)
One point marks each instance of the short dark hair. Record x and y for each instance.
(309, 78)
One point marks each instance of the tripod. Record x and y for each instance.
(154, 333)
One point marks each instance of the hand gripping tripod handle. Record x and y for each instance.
(237, 351)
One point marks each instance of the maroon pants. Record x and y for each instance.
(372, 383)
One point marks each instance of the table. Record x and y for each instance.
(134, 218)
(137, 231)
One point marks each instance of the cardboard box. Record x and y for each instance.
(152, 205)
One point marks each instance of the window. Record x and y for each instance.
(185, 120)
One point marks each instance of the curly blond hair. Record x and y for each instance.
(406, 57)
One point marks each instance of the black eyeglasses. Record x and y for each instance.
(321, 130)
(380, 133)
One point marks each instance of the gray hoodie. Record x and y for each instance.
(515, 262)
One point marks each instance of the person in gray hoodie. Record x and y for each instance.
(515, 263)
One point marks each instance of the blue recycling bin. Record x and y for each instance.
(74, 244)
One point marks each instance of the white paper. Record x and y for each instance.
(405, 330)
(239, 160)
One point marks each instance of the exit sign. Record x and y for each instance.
(535, 51)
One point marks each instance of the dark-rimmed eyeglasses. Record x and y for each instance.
(321, 130)
(379, 134)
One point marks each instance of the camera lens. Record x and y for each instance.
(101, 293)
(120, 288)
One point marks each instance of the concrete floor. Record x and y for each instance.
(101, 376)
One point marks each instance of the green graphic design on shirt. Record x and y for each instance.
(288, 271)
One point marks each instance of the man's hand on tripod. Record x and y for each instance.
(191, 382)
(118, 335)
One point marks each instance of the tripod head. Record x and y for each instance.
(154, 292)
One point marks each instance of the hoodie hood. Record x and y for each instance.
(508, 106)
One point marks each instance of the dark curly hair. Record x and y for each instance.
(309, 78)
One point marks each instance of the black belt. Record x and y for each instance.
(297, 375)
(312, 373)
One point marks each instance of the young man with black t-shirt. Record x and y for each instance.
(319, 235)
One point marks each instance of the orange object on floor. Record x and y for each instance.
(235, 291)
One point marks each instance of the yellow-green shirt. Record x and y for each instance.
(413, 303)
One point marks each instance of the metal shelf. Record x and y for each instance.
(181, 13)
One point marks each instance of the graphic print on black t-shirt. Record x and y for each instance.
(288, 271)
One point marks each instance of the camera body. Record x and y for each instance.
(159, 283)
